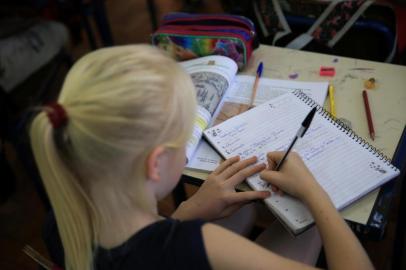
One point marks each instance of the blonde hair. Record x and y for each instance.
(121, 102)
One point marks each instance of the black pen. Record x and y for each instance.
(300, 133)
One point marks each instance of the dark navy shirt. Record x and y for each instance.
(166, 244)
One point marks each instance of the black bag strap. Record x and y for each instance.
(334, 22)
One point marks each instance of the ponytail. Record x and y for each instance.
(74, 212)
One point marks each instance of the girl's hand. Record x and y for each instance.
(294, 177)
(217, 197)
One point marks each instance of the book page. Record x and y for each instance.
(201, 122)
(205, 158)
(211, 76)
(239, 95)
(345, 167)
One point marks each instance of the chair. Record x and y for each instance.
(31, 58)
(371, 36)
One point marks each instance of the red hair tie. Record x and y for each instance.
(56, 114)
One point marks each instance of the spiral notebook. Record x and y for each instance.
(344, 164)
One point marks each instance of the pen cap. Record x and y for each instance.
(259, 69)
(308, 120)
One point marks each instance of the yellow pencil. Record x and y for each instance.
(331, 98)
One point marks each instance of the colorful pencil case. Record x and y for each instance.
(186, 36)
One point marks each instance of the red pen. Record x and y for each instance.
(369, 116)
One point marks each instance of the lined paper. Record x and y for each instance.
(241, 90)
(345, 168)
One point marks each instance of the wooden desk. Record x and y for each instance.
(387, 100)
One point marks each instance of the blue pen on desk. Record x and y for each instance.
(300, 133)
(254, 88)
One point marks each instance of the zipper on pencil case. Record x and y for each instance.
(207, 23)
(179, 15)
(173, 16)
(209, 20)
(234, 29)
(245, 34)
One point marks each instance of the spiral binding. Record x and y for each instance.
(342, 127)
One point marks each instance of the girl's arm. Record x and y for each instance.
(343, 250)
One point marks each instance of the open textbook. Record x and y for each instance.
(344, 164)
(212, 76)
(221, 94)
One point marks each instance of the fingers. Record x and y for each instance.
(225, 164)
(237, 167)
(247, 196)
(241, 175)
(274, 158)
(273, 177)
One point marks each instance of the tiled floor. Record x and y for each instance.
(21, 217)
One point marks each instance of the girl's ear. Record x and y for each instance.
(153, 163)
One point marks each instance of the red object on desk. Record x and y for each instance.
(369, 116)
(327, 71)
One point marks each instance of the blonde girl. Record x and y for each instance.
(114, 144)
